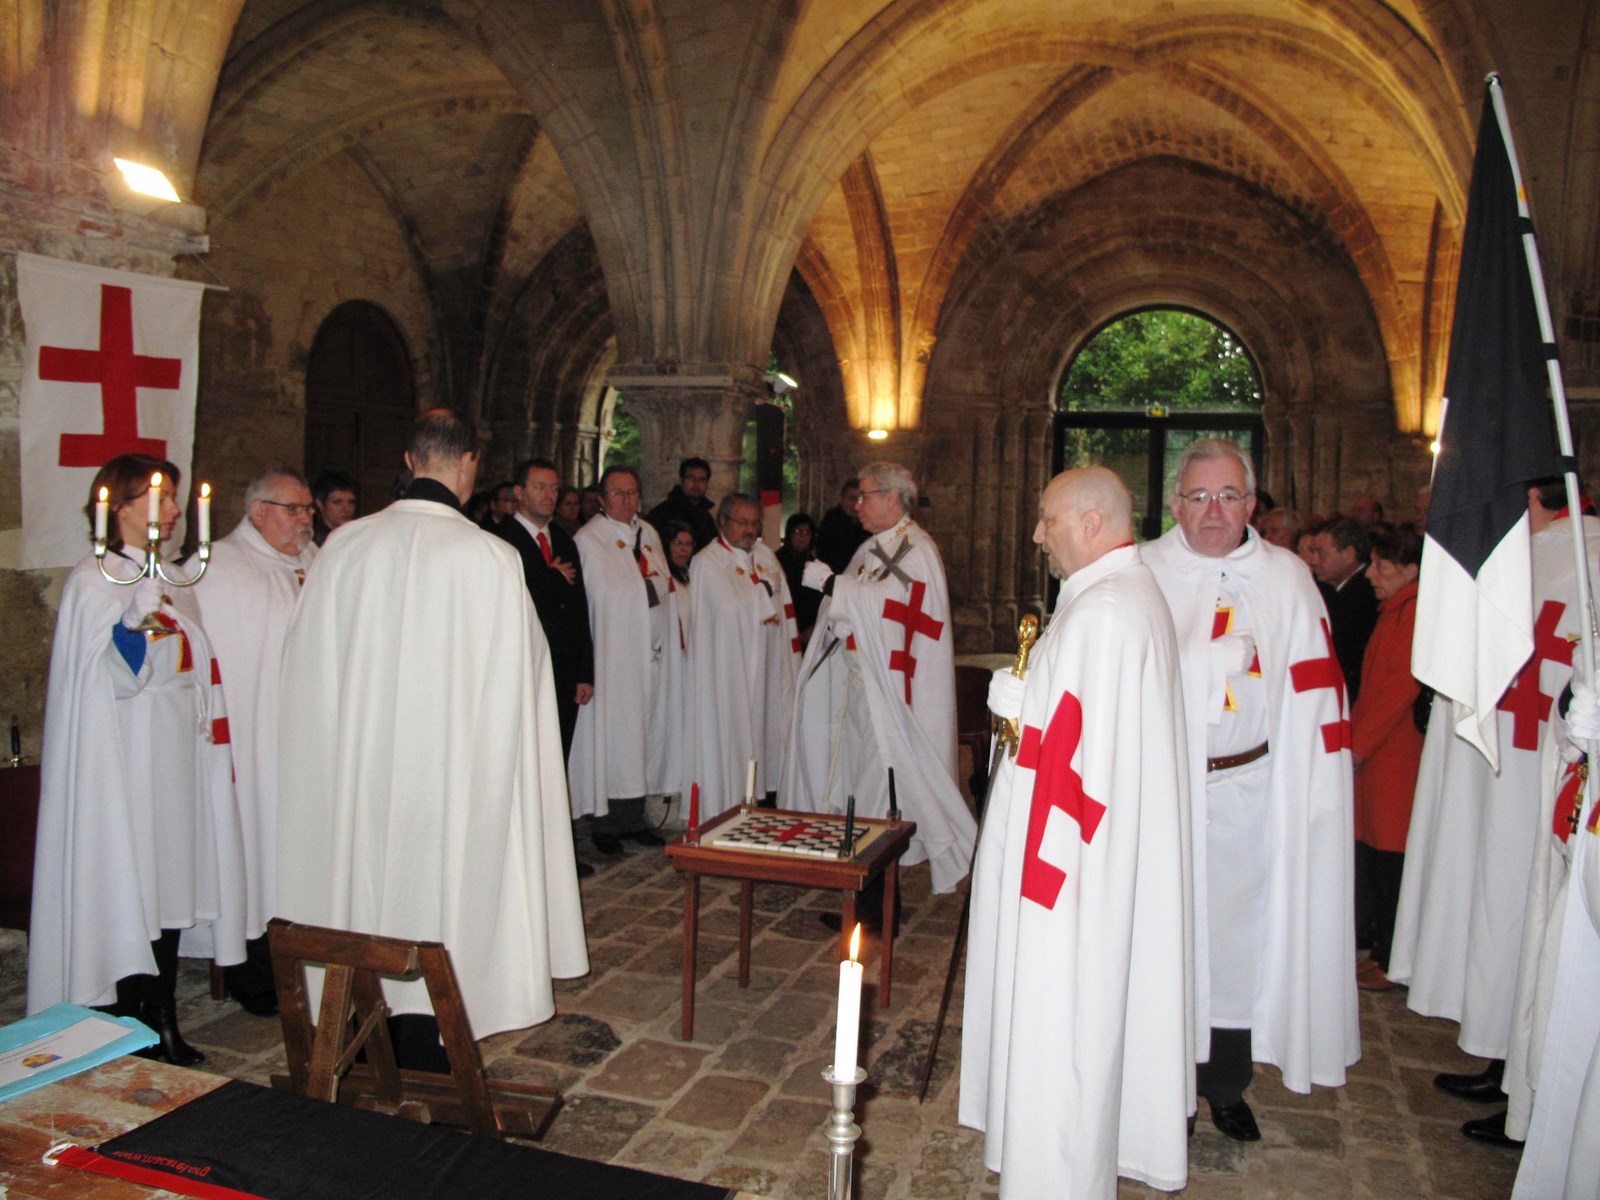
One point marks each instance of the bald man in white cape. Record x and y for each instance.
(1077, 1047)
(423, 795)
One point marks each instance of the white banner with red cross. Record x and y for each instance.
(110, 366)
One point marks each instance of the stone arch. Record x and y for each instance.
(360, 398)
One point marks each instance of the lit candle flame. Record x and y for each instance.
(105, 495)
(855, 943)
(205, 490)
(155, 479)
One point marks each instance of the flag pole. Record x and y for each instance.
(1558, 398)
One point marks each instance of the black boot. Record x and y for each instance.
(161, 1004)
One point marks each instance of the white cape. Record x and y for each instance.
(628, 739)
(138, 826)
(742, 657)
(1305, 1017)
(422, 790)
(852, 715)
(246, 599)
(1077, 1048)
(1474, 834)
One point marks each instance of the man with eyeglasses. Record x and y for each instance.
(687, 503)
(627, 745)
(422, 792)
(246, 599)
(877, 686)
(1269, 734)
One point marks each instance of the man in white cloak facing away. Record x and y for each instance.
(422, 794)
(1077, 1050)
(246, 599)
(626, 745)
(1271, 794)
(877, 685)
(742, 655)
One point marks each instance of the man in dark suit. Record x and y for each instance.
(1341, 569)
(555, 581)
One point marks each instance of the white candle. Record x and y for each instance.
(155, 499)
(101, 508)
(750, 782)
(848, 1031)
(205, 512)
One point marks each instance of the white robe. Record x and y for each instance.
(1077, 1050)
(1550, 866)
(743, 651)
(1301, 937)
(628, 739)
(422, 794)
(246, 599)
(852, 718)
(138, 826)
(1562, 1154)
(1470, 852)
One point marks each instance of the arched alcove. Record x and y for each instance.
(360, 399)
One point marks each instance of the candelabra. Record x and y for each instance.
(153, 567)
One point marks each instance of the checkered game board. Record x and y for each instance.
(818, 835)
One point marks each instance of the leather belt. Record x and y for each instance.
(1226, 762)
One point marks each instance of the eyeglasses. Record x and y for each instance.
(1227, 498)
(294, 510)
(861, 497)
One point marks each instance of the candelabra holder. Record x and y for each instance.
(842, 1132)
(153, 567)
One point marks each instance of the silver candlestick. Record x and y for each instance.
(153, 567)
(842, 1132)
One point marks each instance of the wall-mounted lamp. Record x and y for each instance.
(1433, 447)
(877, 435)
(147, 181)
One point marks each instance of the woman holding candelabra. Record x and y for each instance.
(139, 834)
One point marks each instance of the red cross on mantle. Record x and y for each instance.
(916, 621)
(1529, 707)
(1055, 786)
(1313, 673)
(794, 642)
(120, 373)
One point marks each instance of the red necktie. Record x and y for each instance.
(544, 547)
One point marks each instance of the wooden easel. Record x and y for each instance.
(353, 1016)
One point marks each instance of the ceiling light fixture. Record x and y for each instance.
(147, 181)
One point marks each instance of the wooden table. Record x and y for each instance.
(849, 876)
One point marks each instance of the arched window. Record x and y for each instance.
(1145, 387)
(360, 400)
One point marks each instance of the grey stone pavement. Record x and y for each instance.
(743, 1104)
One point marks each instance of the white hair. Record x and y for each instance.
(892, 477)
(261, 483)
(1209, 448)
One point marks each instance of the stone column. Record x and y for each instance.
(680, 418)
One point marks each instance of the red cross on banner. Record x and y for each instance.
(1056, 785)
(1313, 673)
(911, 615)
(1524, 700)
(120, 373)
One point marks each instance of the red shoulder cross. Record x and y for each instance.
(120, 373)
(1055, 786)
(911, 615)
(1528, 705)
(1312, 673)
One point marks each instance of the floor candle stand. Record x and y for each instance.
(842, 1132)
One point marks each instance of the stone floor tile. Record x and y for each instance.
(572, 1039)
(781, 1128)
(596, 1126)
(672, 1150)
(648, 1070)
(718, 1102)
(760, 1057)
(625, 996)
(795, 1017)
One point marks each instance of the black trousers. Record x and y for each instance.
(1222, 1081)
(1378, 875)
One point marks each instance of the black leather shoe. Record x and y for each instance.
(1491, 1130)
(1483, 1087)
(606, 843)
(1236, 1121)
(646, 837)
(171, 1048)
(585, 869)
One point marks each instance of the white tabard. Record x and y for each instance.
(628, 739)
(742, 655)
(422, 790)
(1305, 1018)
(1470, 851)
(1562, 1154)
(1077, 1055)
(138, 826)
(1560, 802)
(877, 691)
(246, 599)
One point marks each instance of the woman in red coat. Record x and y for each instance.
(1386, 743)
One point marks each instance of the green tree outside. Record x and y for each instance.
(1161, 359)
